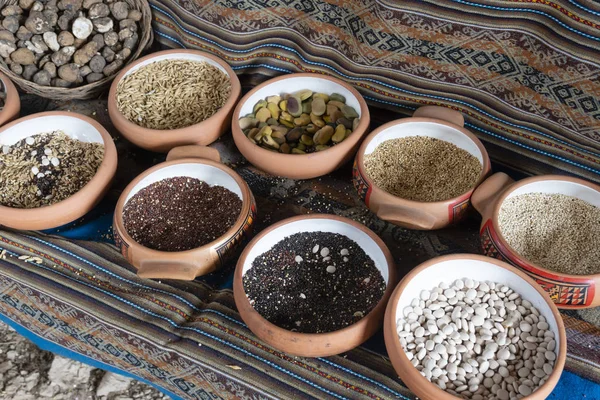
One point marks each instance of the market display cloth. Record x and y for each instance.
(525, 73)
(85, 302)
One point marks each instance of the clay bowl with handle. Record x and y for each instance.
(300, 166)
(479, 268)
(12, 102)
(202, 133)
(567, 291)
(58, 214)
(198, 162)
(432, 121)
(314, 344)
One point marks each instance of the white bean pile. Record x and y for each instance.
(478, 340)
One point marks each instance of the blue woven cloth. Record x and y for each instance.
(97, 226)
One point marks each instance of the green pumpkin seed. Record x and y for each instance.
(337, 97)
(259, 105)
(349, 112)
(323, 135)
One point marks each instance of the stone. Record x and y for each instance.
(108, 54)
(26, 4)
(85, 53)
(29, 71)
(50, 391)
(11, 23)
(67, 373)
(7, 35)
(11, 10)
(79, 42)
(99, 40)
(51, 16)
(37, 6)
(128, 24)
(69, 72)
(51, 40)
(134, 15)
(112, 68)
(16, 68)
(63, 56)
(111, 38)
(82, 28)
(125, 34)
(65, 38)
(85, 71)
(97, 63)
(70, 5)
(37, 22)
(119, 10)
(131, 42)
(111, 383)
(64, 21)
(94, 77)
(23, 56)
(98, 10)
(57, 82)
(38, 42)
(42, 78)
(89, 3)
(50, 67)
(123, 54)
(24, 33)
(103, 25)
(6, 48)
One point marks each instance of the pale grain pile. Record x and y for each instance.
(172, 94)
(554, 231)
(422, 168)
(46, 168)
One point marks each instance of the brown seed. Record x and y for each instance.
(294, 134)
(302, 120)
(294, 106)
(263, 114)
(323, 135)
(318, 121)
(285, 148)
(306, 140)
(318, 107)
(339, 135)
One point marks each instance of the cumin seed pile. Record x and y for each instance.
(554, 231)
(422, 168)
(44, 169)
(172, 94)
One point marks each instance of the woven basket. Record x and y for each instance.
(90, 90)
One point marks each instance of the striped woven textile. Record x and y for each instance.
(525, 73)
(184, 338)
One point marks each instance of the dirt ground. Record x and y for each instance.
(29, 373)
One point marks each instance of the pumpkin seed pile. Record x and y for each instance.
(47, 168)
(301, 122)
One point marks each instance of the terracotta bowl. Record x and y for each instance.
(202, 133)
(12, 104)
(437, 122)
(61, 213)
(300, 166)
(448, 269)
(197, 162)
(567, 291)
(314, 344)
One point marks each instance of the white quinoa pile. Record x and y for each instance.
(554, 231)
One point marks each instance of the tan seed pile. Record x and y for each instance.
(422, 168)
(46, 168)
(555, 231)
(172, 94)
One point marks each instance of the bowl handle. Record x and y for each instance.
(194, 151)
(485, 196)
(417, 218)
(442, 113)
(157, 269)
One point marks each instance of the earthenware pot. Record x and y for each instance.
(567, 291)
(202, 133)
(448, 269)
(314, 344)
(76, 126)
(12, 103)
(196, 162)
(436, 122)
(300, 166)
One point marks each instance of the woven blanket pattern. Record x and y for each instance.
(525, 73)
